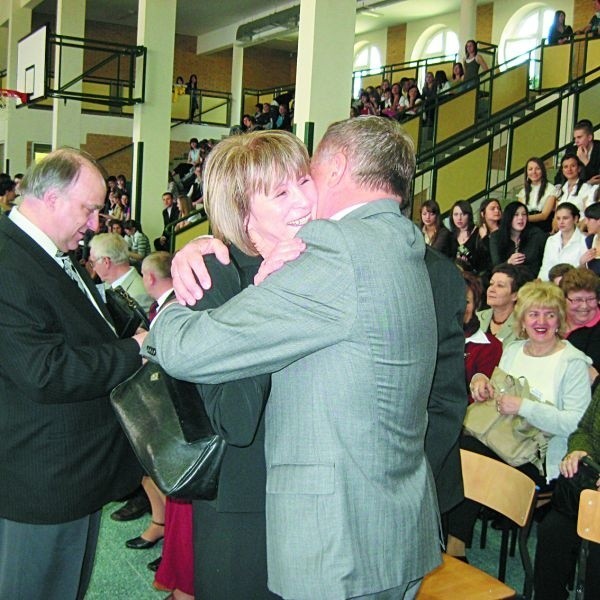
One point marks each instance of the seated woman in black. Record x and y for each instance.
(436, 234)
(592, 241)
(516, 241)
(464, 231)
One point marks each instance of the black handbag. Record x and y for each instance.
(170, 432)
(126, 312)
(565, 498)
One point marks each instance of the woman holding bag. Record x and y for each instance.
(557, 374)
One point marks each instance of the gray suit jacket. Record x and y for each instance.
(133, 284)
(348, 331)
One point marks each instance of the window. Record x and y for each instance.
(523, 33)
(443, 43)
(367, 60)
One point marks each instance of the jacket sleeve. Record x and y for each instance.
(587, 435)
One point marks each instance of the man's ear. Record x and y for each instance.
(337, 170)
(50, 198)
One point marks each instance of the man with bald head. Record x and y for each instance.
(62, 452)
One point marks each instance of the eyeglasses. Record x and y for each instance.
(589, 300)
(94, 261)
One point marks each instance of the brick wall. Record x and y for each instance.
(396, 44)
(485, 19)
(582, 13)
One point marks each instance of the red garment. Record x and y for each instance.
(482, 358)
(176, 570)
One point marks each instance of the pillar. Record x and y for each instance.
(467, 23)
(237, 81)
(152, 119)
(325, 59)
(66, 114)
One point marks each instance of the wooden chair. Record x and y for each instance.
(507, 491)
(588, 529)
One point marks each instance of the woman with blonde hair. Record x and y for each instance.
(557, 374)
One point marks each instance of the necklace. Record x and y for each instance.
(499, 322)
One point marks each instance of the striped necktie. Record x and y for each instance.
(69, 269)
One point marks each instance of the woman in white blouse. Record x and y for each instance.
(574, 189)
(567, 245)
(538, 195)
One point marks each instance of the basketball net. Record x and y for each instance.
(6, 94)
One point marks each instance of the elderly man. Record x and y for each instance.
(62, 452)
(348, 331)
(109, 255)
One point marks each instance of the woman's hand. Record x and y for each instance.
(518, 258)
(587, 256)
(570, 463)
(508, 405)
(283, 252)
(481, 388)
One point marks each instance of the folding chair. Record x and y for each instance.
(588, 529)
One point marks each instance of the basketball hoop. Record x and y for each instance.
(6, 94)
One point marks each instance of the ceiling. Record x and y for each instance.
(197, 17)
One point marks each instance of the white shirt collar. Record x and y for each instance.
(345, 211)
(34, 232)
(478, 338)
(161, 299)
(117, 282)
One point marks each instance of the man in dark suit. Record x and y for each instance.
(62, 452)
(587, 150)
(169, 215)
(448, 396)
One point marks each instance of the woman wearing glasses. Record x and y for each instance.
(580, 287)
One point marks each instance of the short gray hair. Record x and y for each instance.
(58, 170)
(110, 245)
(160, 263)
(381, 154)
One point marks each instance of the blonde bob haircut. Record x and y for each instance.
(242, 166)
(540, 294)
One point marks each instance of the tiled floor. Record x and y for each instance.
(121, 573)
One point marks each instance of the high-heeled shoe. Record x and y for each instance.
(141, 543)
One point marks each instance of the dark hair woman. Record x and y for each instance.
(537, 194)
(559, 32)
(436, 234)
(464, 231)
(517, 241)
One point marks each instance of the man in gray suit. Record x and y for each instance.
(349, 332)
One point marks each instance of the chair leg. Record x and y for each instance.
(513, 541)
(523, 535)
(484, 526)
(580, 585)
(503, 555)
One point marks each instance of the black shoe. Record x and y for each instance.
(153, 566)
(140, 543)
(135, 508)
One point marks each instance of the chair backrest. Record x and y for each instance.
(588, 520)
(498, 486)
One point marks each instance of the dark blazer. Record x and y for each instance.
(593, 166)
(448, 396)
(169, 219)
(533, 249)
(62, 452)
(236, 408)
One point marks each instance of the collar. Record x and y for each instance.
(478, 338)
(345, 211)
(161, 299)
(34, 232)
(117, 282)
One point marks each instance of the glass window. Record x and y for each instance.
(367, 60)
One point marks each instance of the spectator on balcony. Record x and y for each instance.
(473, 61)
(559, 32)
(593, 27)
(126, 205)
(196, 190)
(415, 102)
(441, 81)
(138, 242)
(192, 90)
(592, 256)
(178, 88)
(265, 119)
(248, 123)
(7, 193)
(436, 234)
(587, 150)
(367, 107)
(283, 120)
(573, 188)
(428, 95)
(538, 195)
(458, 74)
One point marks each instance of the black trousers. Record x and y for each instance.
(555, 556)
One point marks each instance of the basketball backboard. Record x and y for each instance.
(31, 64)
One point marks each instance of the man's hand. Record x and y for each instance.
(582, 155)
(190, 277)
(283, 252)
(140, 336)
(595, 180)
(570, 463)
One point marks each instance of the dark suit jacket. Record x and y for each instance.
(592, 168)
(62, 452)
(169, 219)
(448, 396)
(236, 408)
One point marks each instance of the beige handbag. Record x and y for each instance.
(511, 437)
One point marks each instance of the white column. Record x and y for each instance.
(17, 129)
(152, 119)
(325, 58)
(66, 115)
(467, 23)
(237, 81)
